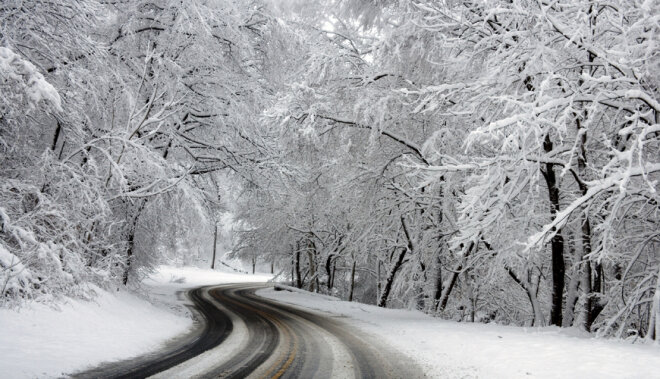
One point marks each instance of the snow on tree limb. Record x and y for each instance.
(29, 80)
(595, 188)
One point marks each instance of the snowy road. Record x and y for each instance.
(245, 335)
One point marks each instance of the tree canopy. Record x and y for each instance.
(489, 161)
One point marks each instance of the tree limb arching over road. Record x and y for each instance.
(244, 335)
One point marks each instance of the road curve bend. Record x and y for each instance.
(246, 336)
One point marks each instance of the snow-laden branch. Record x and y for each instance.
(403, 141)
(33, 83)
(595, 188)
(147, 191)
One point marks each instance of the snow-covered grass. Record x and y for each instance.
(40, 341)
(446, 349)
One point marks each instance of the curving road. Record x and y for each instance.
(244, 335)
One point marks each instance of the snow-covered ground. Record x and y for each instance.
(179, 278)
(39, 341)
(447, 349)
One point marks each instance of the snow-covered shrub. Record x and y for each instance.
(55, 236)
(14, 276)
(36, 257)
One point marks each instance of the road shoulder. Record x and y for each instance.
(448, 349)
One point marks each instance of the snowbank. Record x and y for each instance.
(39, 341)
(460, 350)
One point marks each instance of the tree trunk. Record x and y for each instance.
(215, 244)
(297, 266)
(593, 305)
(378, 284)
(59, 156)
(311, 256)
(453, 278)
(539, 320)
(573, 287)
(437, 292)
(592, 289)
(382, 302)
(597, 304)
(420, 280)
(654, 317)
(557, 243)
(470, 294)
(328, 270)
(56, 137)
(130, 240)
(572, 297)
(129, 257)
(293, 264)
(334, 272)
(447, 291)
(350, 294)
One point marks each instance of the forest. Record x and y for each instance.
(480, 161)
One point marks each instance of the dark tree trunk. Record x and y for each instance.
(452, 282)
(586, 274)
(382, 302)
(589, 286)
(59, 156)
(437, 292)
(311, 257)
(293, 272)
(334, 272)
(557, 243)
(378, 284)
(453, 278)
(422, 295)
(215, 243)
(592, 284)
(328, 270)
(56, 137)
(572, 287)
(129, 257)
(130, 240)
(468, 280)
(350, 294)
(297, 266)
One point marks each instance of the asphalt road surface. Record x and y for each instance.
(242, 335)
